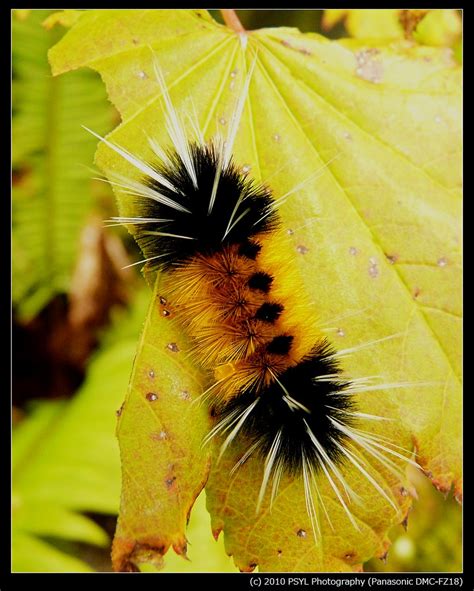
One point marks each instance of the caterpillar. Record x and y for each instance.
(278, 390)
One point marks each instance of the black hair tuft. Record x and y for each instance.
(318, 403)
(269, 312)
(249, 249)
(280, 345)
(261, 281)
(242, 209)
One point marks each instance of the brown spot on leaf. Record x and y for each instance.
(173, 347)
(404, 522)
(392, 258)
(302, 50)
(169, 482)
(301, 533)
(118, 412)
(151, 396)
(19, 175)
(302, 249)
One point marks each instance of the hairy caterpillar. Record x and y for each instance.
(278, 389)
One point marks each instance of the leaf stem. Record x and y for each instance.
(232, 20)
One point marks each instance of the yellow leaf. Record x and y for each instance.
(158, 430)
(22, 13)
(441, 28)
(380, 23)
(66, 18)
(436, 27)
(375, 239)
(333, 16)
(364, 23)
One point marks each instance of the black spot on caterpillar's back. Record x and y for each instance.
(249, 249)
(242, 209)
(261, 281)
(269, 312)
(280, 345)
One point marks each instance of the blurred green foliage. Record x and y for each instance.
(304, 20)
(432, 540)
(65, 456)
(52, 192)
(66, 467)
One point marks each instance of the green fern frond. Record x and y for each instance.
(66, 459)
(52, 194)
